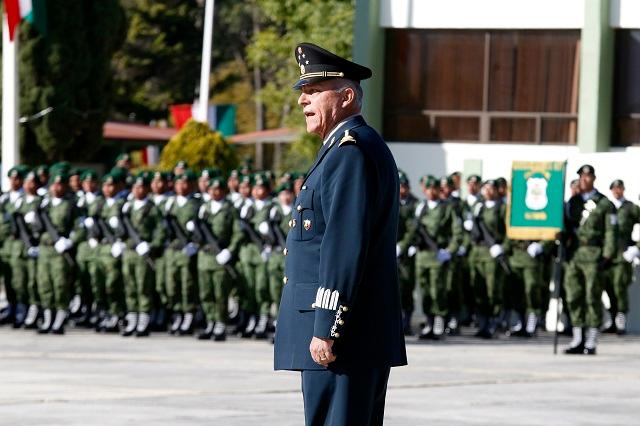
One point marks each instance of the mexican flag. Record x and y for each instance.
(34, 11)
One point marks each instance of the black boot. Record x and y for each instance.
(207, 332)
(20, 316)
(220, 332)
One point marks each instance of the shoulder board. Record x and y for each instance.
(348, 138)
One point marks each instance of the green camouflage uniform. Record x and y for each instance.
(23, 265)
(275, 265)
(406, 263)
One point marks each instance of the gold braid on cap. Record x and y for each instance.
(322, 74)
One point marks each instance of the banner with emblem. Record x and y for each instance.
(536, 200)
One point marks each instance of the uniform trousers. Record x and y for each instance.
(351, 398)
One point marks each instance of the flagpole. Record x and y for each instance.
(205, 70)
(10, 102)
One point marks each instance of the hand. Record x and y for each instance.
(443, 256)
(191, 226)
(462, 251)
(223, 257)
(534, 249)
(30, 217)
(33, 252)
(411, 251)
(398, 250)
(88, 222)
(468, 225)
(116, 249)
(321, 351)
(263, 228)
(190, 249)
(496, 250)
(63, 244)
(114, 222)
(631, 253)
(143, 248)
(266, 253)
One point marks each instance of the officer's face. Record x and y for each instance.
(404, 191)
(489, 192)
(324, 107)
(182, 187)
(245, 189)
(74, 183)
(15, 182)
(617, 192)
(456, 181)
(29, 186)
(285, 197)
(158, 186)
(445, 191)
(233, 184)
(473, 187)
(586, 182)
(108, 189)
(203, 184)
(140, 191)
(217, 193)
(432, 192)
(89, 185)
(260, 192)
(57, 189)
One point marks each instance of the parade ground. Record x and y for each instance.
(84, 378)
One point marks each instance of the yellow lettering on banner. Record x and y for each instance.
(535, 216)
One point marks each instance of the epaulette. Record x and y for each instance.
(348, 138)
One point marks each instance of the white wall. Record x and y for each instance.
(483, 14)
(625, 14)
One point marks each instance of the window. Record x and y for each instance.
(481, 86)
(626, 98)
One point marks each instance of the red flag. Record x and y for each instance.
(181, 114)
(12, 9)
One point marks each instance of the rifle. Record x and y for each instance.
(135, 237)
(211, 241)
(53, 232)
(557, 283)
(253, 235)
(280, 238)
(426, 238)
(104, 230)
(176, 230)
(490, 241)
(24, 234)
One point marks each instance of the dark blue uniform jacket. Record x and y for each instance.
(340, 274)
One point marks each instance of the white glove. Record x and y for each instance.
(266, 253)
(398, 250)
(93, 243)
(30, 217)
(462, 250)
(116, 249)
(496, 250)
(88, 222)
(190, 226)
(468, 225)
(244, 211)
(443, 255)
(114, 222)
(33, 252)
(190, 249)
(63, 244)
(411, 251)
(534, 249)
(143, 248)
(263, 228)
(273, 213)
(223, 257)
(631, 253)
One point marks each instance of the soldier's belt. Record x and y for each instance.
(591, 242)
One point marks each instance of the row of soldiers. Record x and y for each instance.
(152, 252)
(457, 250)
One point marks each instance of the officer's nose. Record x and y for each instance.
(303, 99)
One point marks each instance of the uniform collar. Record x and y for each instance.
(588, 195)
(138, 204)
(340, 126)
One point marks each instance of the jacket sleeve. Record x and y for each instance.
(159, 232)
(344, 196)
(456, 231)
(610, 230)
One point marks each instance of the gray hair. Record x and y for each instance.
(357, 90)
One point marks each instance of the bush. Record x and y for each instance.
(200, 147)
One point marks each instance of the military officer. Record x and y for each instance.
(406, 259)
(592, 227)
(42, 171)
(525, 260)
(218, 250)
(619, 276)
(145, 235)
(7, 206)
(436, 231)
(182, 285)
(160, 196)
(106, 271)
(24, 253)
(340, 319)
(61, 232)
(280, 217)
(487, 258)
(473, 196)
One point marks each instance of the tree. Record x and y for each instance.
(69, 71)
(159, 64)
(200, 147)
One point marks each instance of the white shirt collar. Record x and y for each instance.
(159, 198)
(215, 206)
(489, 203)
(14, 195)
(181, 200)
(618, 202)
(259, 204)
(337, 127)
(286, 208)
(110, 201)
(432, 204)
(55, 201)
(587, 195)
(138, 204)
(471, 199)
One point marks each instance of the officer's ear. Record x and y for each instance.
(348, 96)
